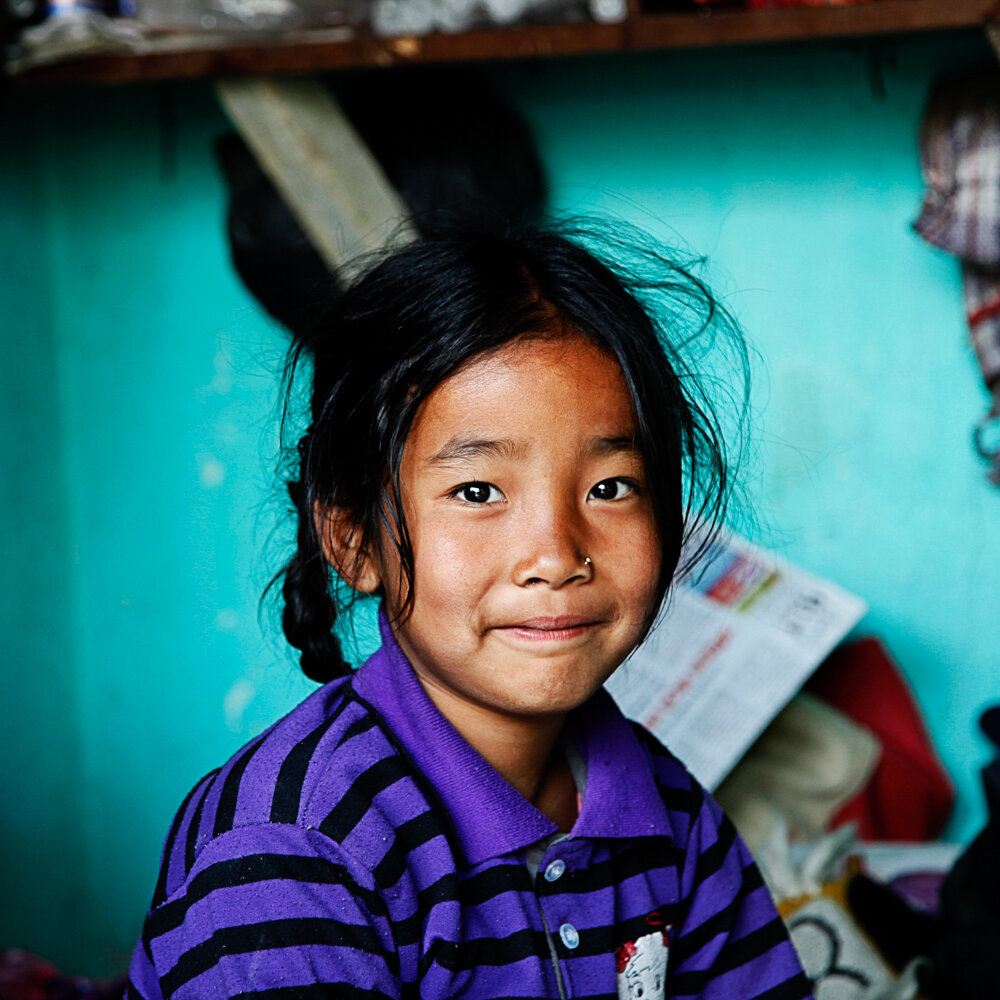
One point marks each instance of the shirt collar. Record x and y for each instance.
(489, 815)
(621, 799)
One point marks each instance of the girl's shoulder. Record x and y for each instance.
(320, 769)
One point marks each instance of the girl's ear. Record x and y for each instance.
(342, 540)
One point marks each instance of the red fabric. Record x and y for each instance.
(909, 796)
(24, 976)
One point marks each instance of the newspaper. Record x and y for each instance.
(737, 641)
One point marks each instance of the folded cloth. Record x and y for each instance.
(809, 762)
(910, 795)
(960, 159)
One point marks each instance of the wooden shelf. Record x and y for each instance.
(310, 52)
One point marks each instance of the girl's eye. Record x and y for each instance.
(612, 489)
(478, 493)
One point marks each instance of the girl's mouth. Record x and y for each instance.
(549, 629)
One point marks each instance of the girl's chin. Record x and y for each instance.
(530, 700)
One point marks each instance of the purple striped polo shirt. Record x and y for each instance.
(360, 847)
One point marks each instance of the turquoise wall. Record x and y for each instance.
(138, 392)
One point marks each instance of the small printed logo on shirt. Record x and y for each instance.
(642, 964)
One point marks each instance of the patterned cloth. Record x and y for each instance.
(362, 848)
(960, 156)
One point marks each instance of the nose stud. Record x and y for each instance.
(589, 563)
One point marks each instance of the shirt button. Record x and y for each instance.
(555, 870)
(570, 936)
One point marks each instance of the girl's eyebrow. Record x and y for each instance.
(613, 445)
(463, 449)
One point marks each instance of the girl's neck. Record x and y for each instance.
(522, 749)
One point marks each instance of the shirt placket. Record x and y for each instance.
(554, 905)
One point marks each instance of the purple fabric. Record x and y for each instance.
(361, 848)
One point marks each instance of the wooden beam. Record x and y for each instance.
(317, 50)
(726, 26)
(328, 177)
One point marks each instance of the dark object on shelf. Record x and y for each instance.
(16, 15)
(961, 940)
(455, 153)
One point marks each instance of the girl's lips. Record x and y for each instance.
(549, 629)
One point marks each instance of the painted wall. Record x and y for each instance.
(138, 439)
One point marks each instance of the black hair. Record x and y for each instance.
(451, 149)
(418, 315)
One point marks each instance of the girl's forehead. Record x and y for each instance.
(531, 388)
(560, 353)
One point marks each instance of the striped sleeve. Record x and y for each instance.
(731, 944)
(270, 911)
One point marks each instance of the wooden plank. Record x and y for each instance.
(308, 52)
(726, 26)
(327, 176)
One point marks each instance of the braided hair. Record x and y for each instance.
(419, 314)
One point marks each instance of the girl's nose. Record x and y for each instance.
(551, 550)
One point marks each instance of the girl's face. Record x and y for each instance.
(536, 553)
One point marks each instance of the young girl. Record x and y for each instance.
(503, 450)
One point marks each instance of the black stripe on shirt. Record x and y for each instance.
(714, 857)
(191, 845)
(363, 724)
(796, 988)
(357, 800)
(648, 855)
(687, 800)
(752, 945)
(604, 939)
(226, 809)
(698, 937)
(292, 932)
(291, 776)
(465, 955)
(160, 892)
(473, 891)
(477, 889)
(409, 836)
(429, 792)
(258, 868)
(409, 930)
(314, 991)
